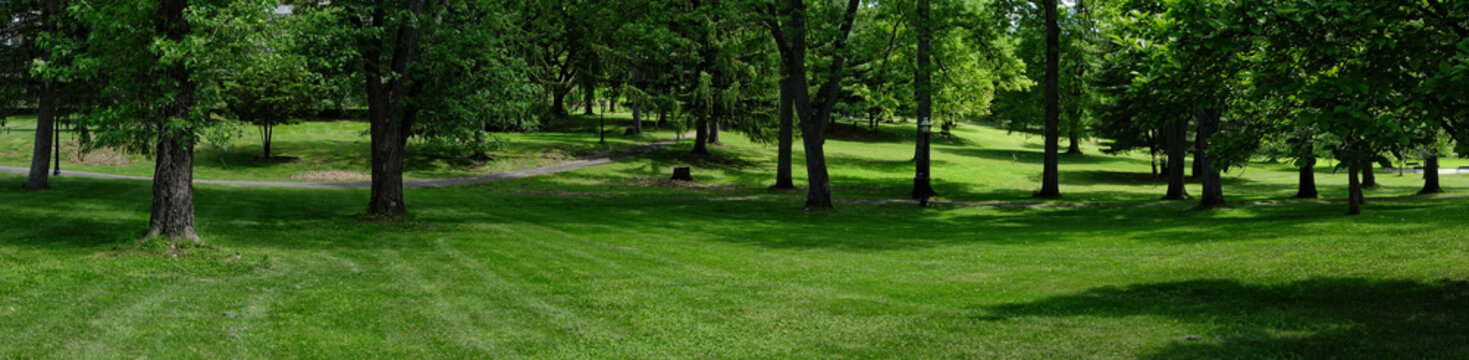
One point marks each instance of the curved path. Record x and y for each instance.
(557, 168)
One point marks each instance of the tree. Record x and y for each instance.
(1076, 48)
(1193, 56)
(435, 70)
(1051, 176)
(790, 31)
(922, 186)
(273, 89)
(46, 104)
(158, 100)
(1339, 60)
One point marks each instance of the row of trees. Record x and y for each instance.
(1350, 79)
(1360, 81)
(161, 77)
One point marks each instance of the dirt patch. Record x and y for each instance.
(331, 175)
(102, 157)
(556, 153)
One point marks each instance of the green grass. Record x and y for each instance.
(979, 163)
(338, 146)
(603, 263)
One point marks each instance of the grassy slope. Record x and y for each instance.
(636, 271)
(484, 273)
(340, 146)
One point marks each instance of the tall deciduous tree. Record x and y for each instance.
(790, 31)
(923, 91)
(1051, 176)
(45, 104)
(161, 63)
(433, 69)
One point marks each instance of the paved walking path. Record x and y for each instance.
(557, 168)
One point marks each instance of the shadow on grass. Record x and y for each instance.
(88, 212)
(1322, 318)
(1038, 157)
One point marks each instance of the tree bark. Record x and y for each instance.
(637, 119)
(1177, 150)
(45, 114)
(389, 126)
(785, 138)
(1354, 191)
(1307, 184)
(813, 120)
(818, 196)
(714, 131)
(172, 214)
(922, 90)
(591, 99)
(1051, 176)
(41, 153)
(1369, 176)
(1075, 142)
(558, 101)
(1430, 176)
(1213, 185)
(701, 136)
(1197, 166)
(269, 133)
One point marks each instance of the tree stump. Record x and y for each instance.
(683, 173)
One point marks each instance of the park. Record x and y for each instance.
(986, 179)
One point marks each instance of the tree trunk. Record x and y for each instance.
(662, 119)
(45, 115)
(1369, 176)
(269, 134)
(922, 183)
(1154, 155)
(612, 104)
(1051, 176)
(1177, 150)
(785, 140)
(714, 131)
(1354, 191)
(1307, 187)
(818, 196)
(637, 119)
(172, 214)
(1197, 166)
(389, 126)
(45, 126)
(813, 133)
(701, 136)
(387, 169)
(1213, 185)
(591, 99)
(1075, 143)
(1430, 176)
(558, 101)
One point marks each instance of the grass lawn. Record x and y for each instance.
(979, 163)
(610, 263)
(338, 151)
